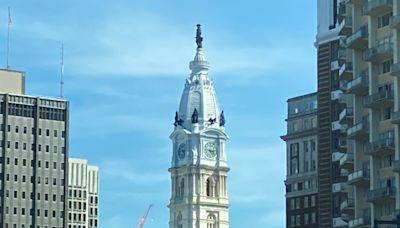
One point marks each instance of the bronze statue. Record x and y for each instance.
(199, 39)
(195, 116)
(178, 121)
(222, 119)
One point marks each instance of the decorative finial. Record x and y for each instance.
(199, 39)
(195, 116)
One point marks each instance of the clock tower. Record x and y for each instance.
(199, 166)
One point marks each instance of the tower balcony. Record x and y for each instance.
(378, 53)
(376, 7)
(358, 86)
(359, 131)
(346, 71)
(396, 166)
(395, 118)
(340, 187)
(345, 27)
(347, 161)
(380, 147)
(364, 221)
(359, 178)
(338, 222)
(380, 194)
(395, 22)
(346, 115)
(358, 40)
(347, 206)
(379, 100)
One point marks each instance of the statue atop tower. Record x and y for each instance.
(199, 39)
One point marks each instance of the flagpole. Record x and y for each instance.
(62, 71)
(8, 37)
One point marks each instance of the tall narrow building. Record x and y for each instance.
(199, 169)
(301, 153)
(83, 191)
(33, 156)
(332, 142)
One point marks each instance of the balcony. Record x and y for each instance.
(346, 116)
(339, 222)
(347, 206)
(346, 71)
(380, 194)
(359, 131)
(376, 7)
(347, 161)
(380, 147)
(395, 70)
(345, 27)
(336, 156)
(395, 117)
(357, 2)
(339, 188)
(358, 40)
(359, 178)
(342, 54)
(359, 85)
(336, 126)
(396, 166)
(360, 222)
(379, 53)
(335, 95)
(395, 22)
(379, 100)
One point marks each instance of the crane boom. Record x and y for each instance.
(143, 219)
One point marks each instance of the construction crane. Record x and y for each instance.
(143, 219)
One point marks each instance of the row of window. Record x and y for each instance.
(308, 218)
(300, 186)
(17, 146)
(45, 198)
(39, 163)
(30, 111)
(38, 213)
(302, 202)
(18, 129)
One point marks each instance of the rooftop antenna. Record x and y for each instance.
(8, 36)
(62, 71)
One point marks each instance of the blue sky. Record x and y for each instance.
(125, 65)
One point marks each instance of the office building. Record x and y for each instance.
(83, 191)
(301, 152)
(33, 156)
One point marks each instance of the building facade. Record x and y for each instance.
(372, 91)
(301, 152)
(199, 169)
(83, 191)
(33, 148)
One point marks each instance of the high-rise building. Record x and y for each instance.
(332, 141)
(33, 156)
(199, 169)
(372, 90)
(301, 153)
(83, 190)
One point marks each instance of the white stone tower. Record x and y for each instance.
(199, 166)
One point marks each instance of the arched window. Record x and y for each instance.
(210, 187)
(211, 221)
(179, 221)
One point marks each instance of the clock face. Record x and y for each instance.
(210, 150)
(182, 151)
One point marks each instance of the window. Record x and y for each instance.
(55, 133)
(305, 219)
(384, 20)
(386, 66)
(313, 217)
(181, 188)
(305, 201)
(313, 201)
(179, 220)
(212, 221)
